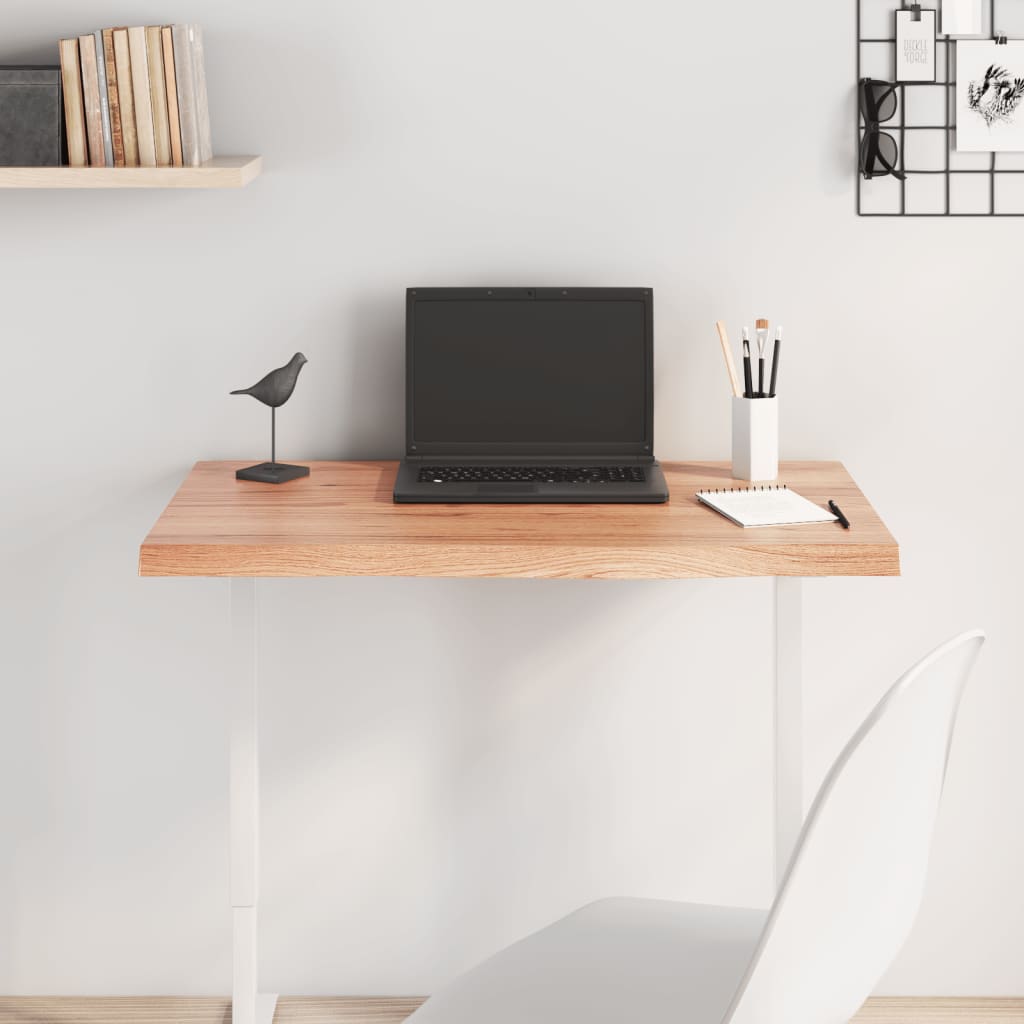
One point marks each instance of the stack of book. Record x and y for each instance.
(136, 97)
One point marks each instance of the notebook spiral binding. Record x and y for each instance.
(744, 490)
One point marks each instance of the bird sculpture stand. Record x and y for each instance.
(274, 390)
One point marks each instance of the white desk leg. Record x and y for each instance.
(789, 810)
(247, 1007)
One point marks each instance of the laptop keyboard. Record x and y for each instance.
(532, 474)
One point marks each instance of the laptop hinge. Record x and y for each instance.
(610, 460)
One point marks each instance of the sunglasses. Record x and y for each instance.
(879, 154)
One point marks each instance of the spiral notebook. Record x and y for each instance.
(768, 505)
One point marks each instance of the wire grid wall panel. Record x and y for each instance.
(940, 181)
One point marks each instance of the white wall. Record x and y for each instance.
(448, 763)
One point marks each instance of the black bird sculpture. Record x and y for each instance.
(274, 390)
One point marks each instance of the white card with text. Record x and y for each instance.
(915, 46)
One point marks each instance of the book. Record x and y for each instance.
(113, 99)
(31, 118)
(158, 95)
(74, 104)
(173, 119)
(767, 505)
(126, 97)
(91, 98)
(202, 102)
(101, 77)
(184, 79)
(144, 127)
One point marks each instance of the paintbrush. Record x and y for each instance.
(762, 341)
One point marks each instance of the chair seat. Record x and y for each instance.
(611, 962)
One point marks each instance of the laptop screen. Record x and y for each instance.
(531, 370)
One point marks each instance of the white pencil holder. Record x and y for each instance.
(755, 438)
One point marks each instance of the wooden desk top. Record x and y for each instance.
(340, 521)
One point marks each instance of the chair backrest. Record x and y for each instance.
(853, 886)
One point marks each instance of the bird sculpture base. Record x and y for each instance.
(272, 473)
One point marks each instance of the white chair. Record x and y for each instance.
(843, 910)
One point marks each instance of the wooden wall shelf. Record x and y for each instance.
(220, 172)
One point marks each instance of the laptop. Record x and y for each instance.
(529, 395)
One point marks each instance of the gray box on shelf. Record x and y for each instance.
(31, 117)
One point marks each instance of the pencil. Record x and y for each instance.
(723, 337)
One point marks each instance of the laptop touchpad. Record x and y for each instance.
(506, 488)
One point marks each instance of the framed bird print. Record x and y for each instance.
(989, 96)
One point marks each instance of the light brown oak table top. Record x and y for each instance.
(340, 521)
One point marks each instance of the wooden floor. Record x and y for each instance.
(330, 1010)
(934, 1010)
(205, 1010)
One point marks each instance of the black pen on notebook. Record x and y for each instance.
(838, 513)
(748, 380)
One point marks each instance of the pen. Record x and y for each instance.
(775, 360)
(747, 378)
(838, 513)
